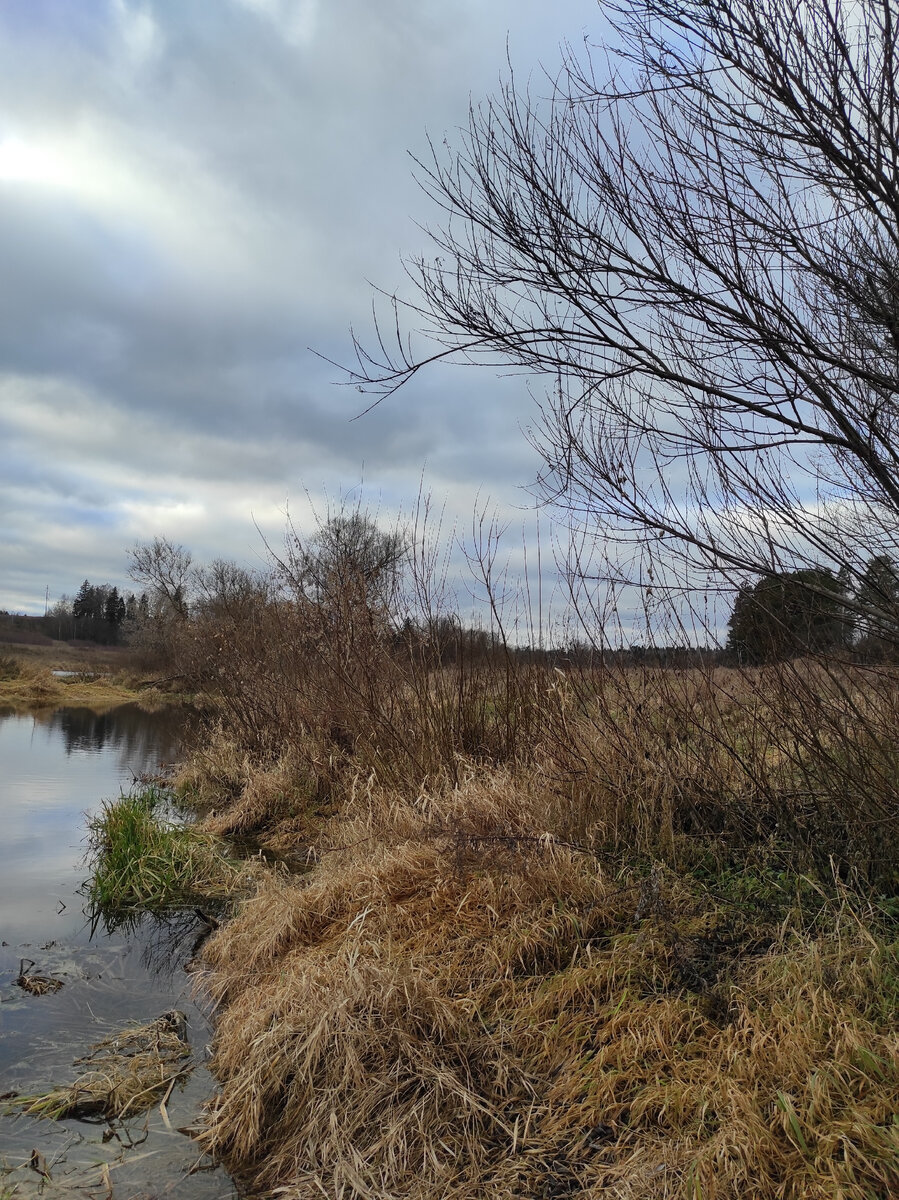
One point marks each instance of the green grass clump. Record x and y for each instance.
(141, 858)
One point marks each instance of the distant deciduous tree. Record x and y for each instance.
(226, 590)
(165, 569)
(349, 560)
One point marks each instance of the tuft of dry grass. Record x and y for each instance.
(26, 685)
(441, 1008)
(239, 799)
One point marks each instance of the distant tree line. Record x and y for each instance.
(353, 575)
(97, 613)
(812, 610)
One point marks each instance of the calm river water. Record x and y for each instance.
(55, 768)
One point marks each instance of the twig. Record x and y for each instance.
(163, 1111)
(152, 1088)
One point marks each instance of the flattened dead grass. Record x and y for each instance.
(239, 798)
(449, 1005)
(30, 685)
(123, 1075)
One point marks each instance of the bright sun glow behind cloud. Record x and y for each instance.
(86, 164)
(77, 162)
(24, 162)
(152, 191)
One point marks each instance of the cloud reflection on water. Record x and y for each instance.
(57, 766)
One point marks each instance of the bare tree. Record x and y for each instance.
(348, 560)
(225, 590)
(165, 569)
(696, 239)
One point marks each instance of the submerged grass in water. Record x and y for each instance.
(124, 1074)
(141, 858)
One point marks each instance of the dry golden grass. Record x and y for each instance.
(568, 933)
(452, 1005)
(671, 763)
(100, 679)
(215, 773)
(238, 798)
(664, 763)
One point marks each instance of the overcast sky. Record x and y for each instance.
(192, 193)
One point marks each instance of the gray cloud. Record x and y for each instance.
(190, 196)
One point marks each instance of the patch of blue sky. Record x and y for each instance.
(85, 22)
(99, 512)
(40, 477)
(125, 253)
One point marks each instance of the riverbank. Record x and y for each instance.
(438, 1010)
(602, 938)
(99, 677)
